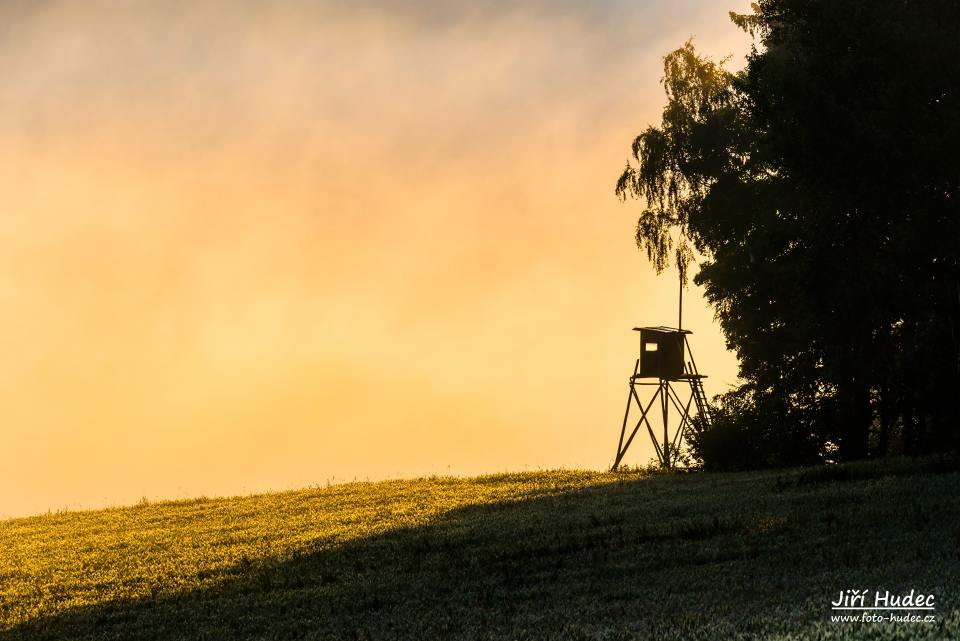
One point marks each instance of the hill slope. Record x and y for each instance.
(552, 555)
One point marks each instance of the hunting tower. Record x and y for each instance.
(662, 365)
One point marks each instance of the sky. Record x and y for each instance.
(250, 246)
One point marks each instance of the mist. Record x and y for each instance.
(248, 246)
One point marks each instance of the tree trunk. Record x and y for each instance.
(883, 442)
(908, 427)
(856, 415)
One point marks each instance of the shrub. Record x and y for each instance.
(751, 430)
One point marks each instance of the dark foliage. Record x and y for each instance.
(821, 185)
(751, 430)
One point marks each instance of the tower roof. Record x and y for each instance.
(660, 329)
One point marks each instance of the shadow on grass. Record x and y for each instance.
(681, 558)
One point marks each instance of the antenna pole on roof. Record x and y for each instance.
(680, 315)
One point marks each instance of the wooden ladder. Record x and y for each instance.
(700, 398)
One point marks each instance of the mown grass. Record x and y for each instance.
(551, 555)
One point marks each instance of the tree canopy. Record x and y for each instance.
(820, 183)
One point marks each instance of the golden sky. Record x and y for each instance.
(248, 246)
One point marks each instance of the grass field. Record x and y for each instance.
(546, 555)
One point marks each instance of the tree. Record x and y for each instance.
(819, 184)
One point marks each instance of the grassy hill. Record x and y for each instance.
(551, 555)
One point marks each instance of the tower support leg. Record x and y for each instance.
(623, 430)
(665, 407)
(626, 414)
